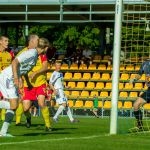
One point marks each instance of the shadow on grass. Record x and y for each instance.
(38, 134)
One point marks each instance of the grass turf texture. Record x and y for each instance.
(70, 136)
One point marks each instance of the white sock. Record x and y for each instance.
(69, 113)
(4, 104)
(59, 111)
(8, 119)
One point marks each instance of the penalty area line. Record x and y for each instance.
(49, 140)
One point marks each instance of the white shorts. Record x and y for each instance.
(7, 87)
(61, 97)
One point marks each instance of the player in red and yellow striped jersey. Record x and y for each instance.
(5, 60)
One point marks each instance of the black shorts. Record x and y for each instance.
(146, 95)
(35, 104)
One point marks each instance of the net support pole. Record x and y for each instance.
(116, 66)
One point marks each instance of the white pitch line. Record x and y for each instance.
(60, 139)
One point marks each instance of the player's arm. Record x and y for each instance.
(28, 82)
(51, 83)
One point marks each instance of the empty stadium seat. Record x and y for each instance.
(147, 106)
(137, 67)
(121, 86)
(109, 67)
(102, 67)
(86, 76)
(138, 86)
(67, 93)
(122, 67)
(90, 85)
(130, 68)
(108, 85)
(80, 85)
(123, 94)
(70, 103)
(85, 94)
(77, 76)
(133, 94)
(97, 58)
(106, 57)
(107, 105)
(68, 75)
(99, 85)
(75, 94)
(105, 76)
(104, 94)
(74, 67)
(133, 76)
(143, 77)
(92, 67)
(64, 67)
(128, 86)
(72, 84)
(88, 104)
(94, 93)
(96, 76)
(119, 104)
(78, 104)
(127, 105)
(100, 104)
(83, 67)
(124, 76)
(53, 67)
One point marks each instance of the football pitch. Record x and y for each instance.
(88, 134)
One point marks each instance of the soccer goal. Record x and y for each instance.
(132, 45)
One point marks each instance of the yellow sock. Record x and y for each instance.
(19, 113)
(3, 112)
(46, 116)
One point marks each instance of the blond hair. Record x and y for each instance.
(43, 43)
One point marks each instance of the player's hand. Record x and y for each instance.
(31, 76)
(55, 92)
(16, 82)
(68, 87)
(131, 81)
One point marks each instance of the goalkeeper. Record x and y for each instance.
(144, 97)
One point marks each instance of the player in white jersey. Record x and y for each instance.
(57, 85)
(10, 80)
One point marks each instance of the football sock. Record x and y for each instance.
(138, 115)
(8, 119)
(27, 114)
(4, 104)
(46, 116)
(19, 113)
(3, 113)
(59, 111)
(69, 113)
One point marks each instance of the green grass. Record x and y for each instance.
(87, 127)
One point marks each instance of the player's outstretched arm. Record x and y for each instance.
(136, 78)
(52, 87)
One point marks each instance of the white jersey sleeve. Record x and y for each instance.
(53, 78)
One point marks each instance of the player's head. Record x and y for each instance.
(57, 66)
(33, 40)
(42, 46)
(4, 42)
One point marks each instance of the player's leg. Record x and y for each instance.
(19, 113)
(3, 113)
(95, 112)
(137, 112)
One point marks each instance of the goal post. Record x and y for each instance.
(116, 66)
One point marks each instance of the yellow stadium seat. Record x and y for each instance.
(127, 105)
(97, 58)
(88, 104)
(67, 93)
(107, 105)
(81, 85)
(106, 57)
(105, 76)
(49, 75)
(147, 106)
(71, 84)
(86, 76)
(104, 94)
(133, 76)
(137, 67)
(53, 67)
(123, 94)
(94, 93)
(143, 77)
(70, 103)
(74, 67)
(68, 75)
(77, 76)
(83, 67)
(124, 76)
(145, 87)
(75, 94)
(138, 86)
(134, 94)
(108, 85)
(90, 85)
(122, 67)
(121, 86)
(85, 94)
(65, 84)
(119, 104)
(130, 68)
(128, 86)
(109, 67)
(96, 76)
(78, 104)
(99, 85)
(102, 67)
(100, 104)
(92, 67)
(64, 67)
